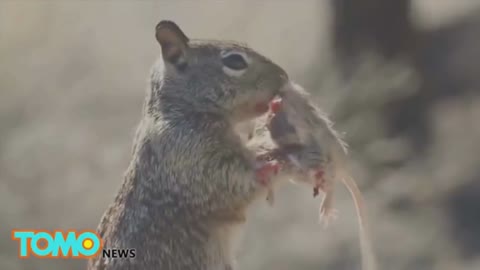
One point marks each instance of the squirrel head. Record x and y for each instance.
(216, 76)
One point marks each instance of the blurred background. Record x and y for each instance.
(400, 77)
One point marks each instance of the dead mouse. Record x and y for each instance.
(306, 136)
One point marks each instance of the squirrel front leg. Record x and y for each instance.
(239, 181)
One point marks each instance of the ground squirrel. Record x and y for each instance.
(305, 136)
(191, 178)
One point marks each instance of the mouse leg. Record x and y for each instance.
(270, 196)
(321, 182)
(264, 171)
(263, 174)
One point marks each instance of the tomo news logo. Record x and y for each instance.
(64, 244)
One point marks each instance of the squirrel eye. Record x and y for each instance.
(235, 61)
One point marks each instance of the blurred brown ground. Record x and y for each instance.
(73, 76)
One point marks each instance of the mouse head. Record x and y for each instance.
(218, 76)
(275, 106)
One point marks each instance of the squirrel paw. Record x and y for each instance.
(264, 172)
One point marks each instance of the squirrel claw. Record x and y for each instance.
(265, 171)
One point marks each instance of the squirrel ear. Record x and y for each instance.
(173, 41)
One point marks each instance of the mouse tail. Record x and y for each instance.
(369, 261)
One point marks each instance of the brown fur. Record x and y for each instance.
(191, 178)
